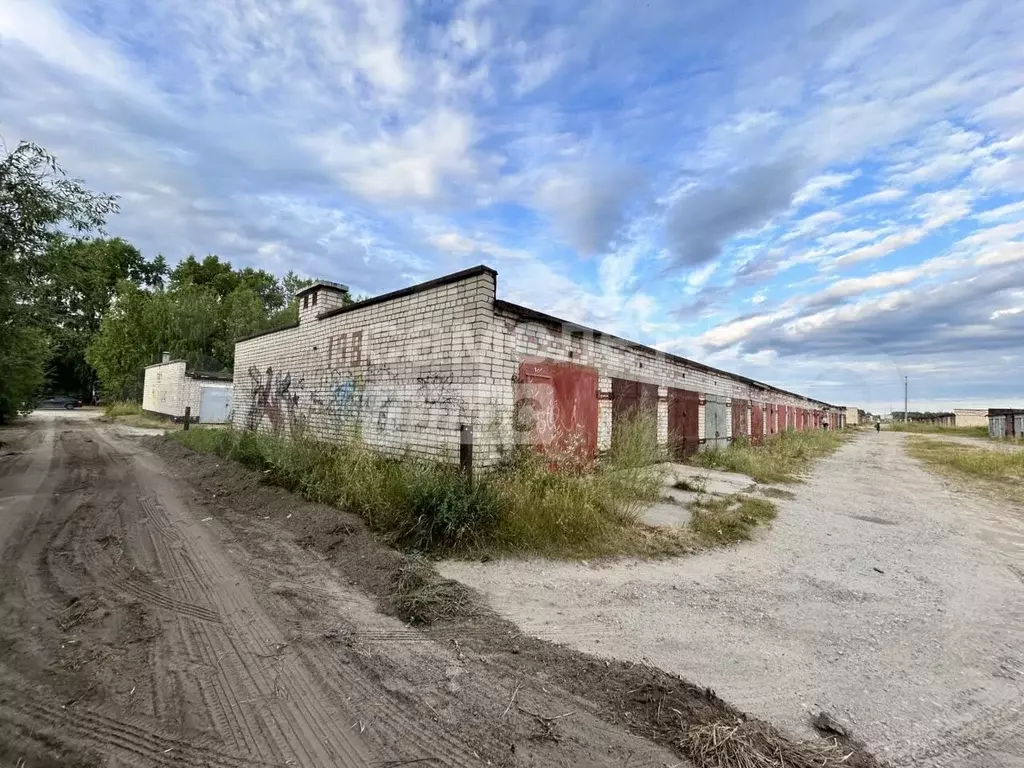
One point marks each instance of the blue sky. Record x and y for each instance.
(823, 195)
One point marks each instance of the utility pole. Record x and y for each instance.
(906, 416)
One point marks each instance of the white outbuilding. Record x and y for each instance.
(170, 388)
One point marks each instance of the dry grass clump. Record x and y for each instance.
(751, 744)
(421, 596)
(720, 520)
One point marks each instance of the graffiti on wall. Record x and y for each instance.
(342, 391)
(274, 397)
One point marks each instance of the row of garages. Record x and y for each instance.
(1006, 422)
(567, 408)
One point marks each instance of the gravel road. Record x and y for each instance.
(881, 594)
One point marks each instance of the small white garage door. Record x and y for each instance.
(214, 404)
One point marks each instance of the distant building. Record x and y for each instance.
(1006, 422)
(971, 417)
(940, 419)
(170, 388)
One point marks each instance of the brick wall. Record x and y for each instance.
(401, 373)
(971, 417)
(406, 370)
(163, 388)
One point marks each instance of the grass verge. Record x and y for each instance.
(524, 506)
(781, 458)
(936, 429)
(132, 415)
(1001, 472)
(720, 520)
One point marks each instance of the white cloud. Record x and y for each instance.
(731, 333)
(415, 163)
(1002, 212)
(819, 185)
(881, 197)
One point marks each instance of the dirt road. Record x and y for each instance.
(144, 621)
(880, 594)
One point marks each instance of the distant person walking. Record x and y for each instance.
(878, 426)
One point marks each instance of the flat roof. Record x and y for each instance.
(533, 314)
(526, 312)
(322, 284)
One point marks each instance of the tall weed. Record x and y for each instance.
(781, 458)
(527, 504)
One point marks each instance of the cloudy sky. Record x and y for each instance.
(824, 195)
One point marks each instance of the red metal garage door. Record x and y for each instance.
(739, 418)
(632, 399)
(683, 422)
(756, 423)
(556, 406)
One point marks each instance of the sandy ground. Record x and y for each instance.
(152, 612)
(880, 594)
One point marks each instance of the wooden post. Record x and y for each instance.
(188, 416)
(466, 450)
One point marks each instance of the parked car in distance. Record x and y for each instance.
(61, 402)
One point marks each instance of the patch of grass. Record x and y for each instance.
(1000, 471)
(526, 505)
(132, 415)
(781, 458)
(752, 744)
(936, 429)
(113, 410)
(720, 520)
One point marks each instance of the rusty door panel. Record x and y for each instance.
(683, 422)
(556, 404)
(632, 399)
(739, 418)
(756, 423)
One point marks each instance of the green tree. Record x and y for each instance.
(38, 202)
(205, 308)
(219, 275)
(83, 277)
(131, 336)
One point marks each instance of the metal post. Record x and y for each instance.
(188, 416)
(906, 416)
(466, 449)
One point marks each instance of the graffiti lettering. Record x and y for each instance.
(272, 396)
(438, 390)
(349, 350)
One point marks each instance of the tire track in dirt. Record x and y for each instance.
(97, 731)
(298, 720)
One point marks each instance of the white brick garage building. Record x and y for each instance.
(408, 370)
(169, 388)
